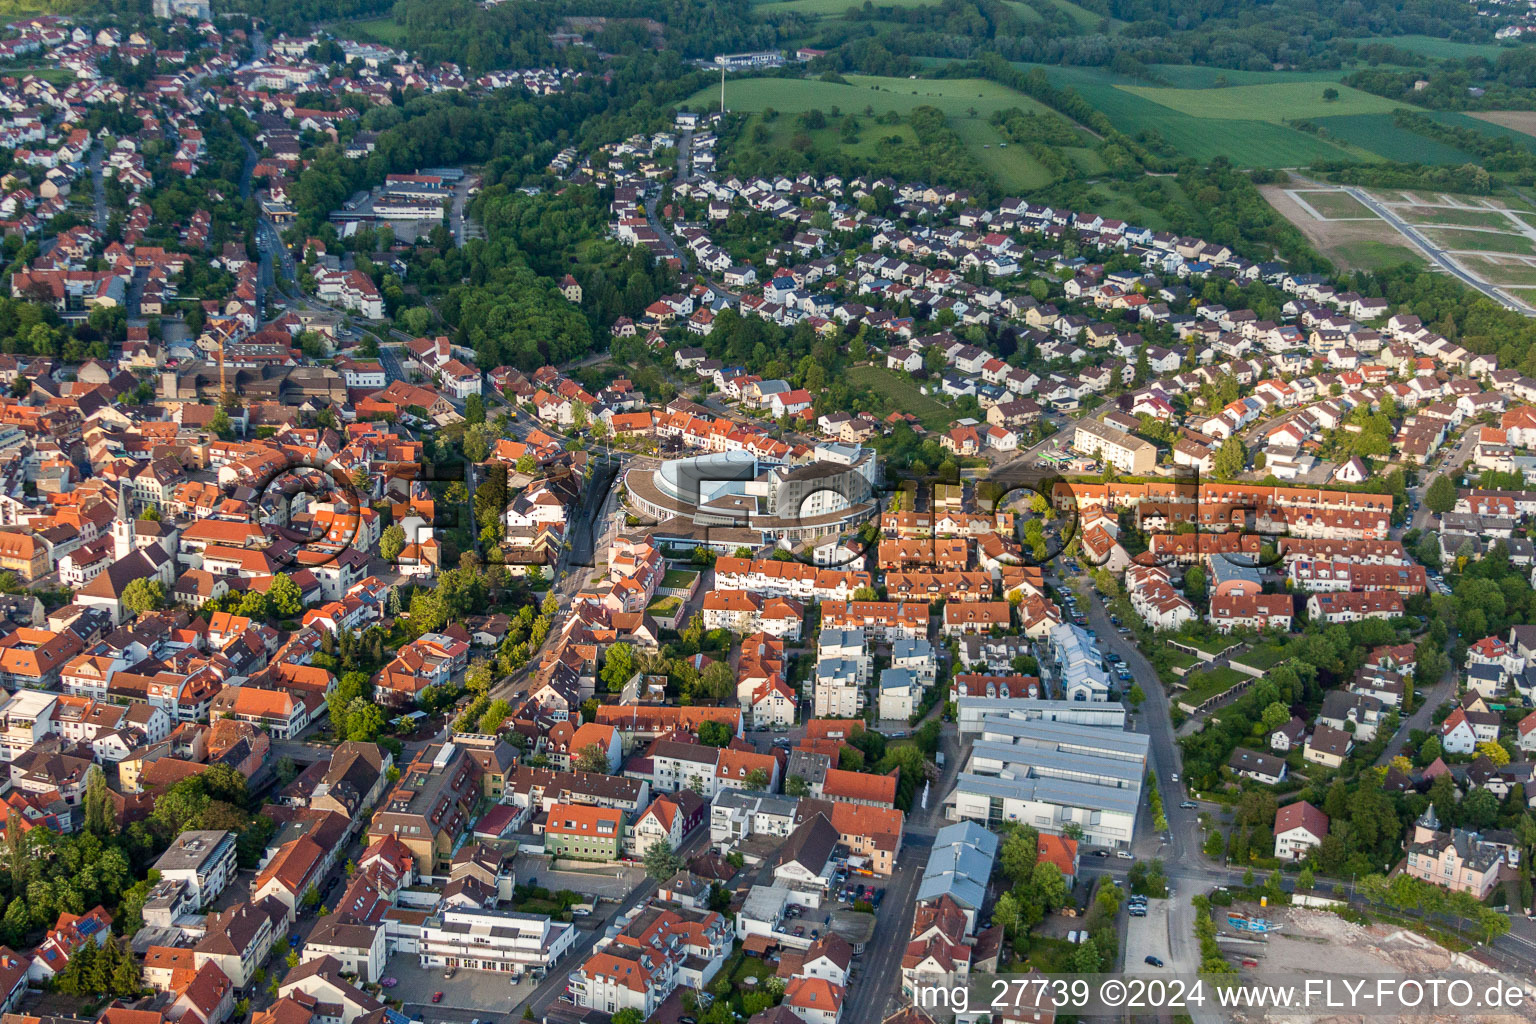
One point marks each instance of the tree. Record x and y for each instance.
(99, 819)
(756, 779)
(1306, 880)
(391, 542)
(796, 786)
(714, 734)
(1135, 695)
(1194, 583)
(1441, 496)
(618, 666)
(144, 595)
(628, 1015)
(661, 861)
(1275, 715)
(717, 681)
(1330, 94)
(1050, 884)
(1231, 458)
(285, 597)
(591, 758)
(1495, 752)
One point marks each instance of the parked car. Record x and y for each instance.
(1101, 853)
(1154, 961)
(1189, 805)
(1174, 777)
(437, 997)
(1123, 855)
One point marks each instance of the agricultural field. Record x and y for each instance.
(1199, 76)
(1439, 49)
(1378, 134)
(1272, 101)
(1522, 121)
(903, 394)
(1247, 141)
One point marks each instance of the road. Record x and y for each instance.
(1444, 689)
(1436, 254)
(554, 984)
(462, 229)
(876, 992)
(98, 191)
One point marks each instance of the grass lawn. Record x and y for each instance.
(903, 394)
(375, 30)
(1271, 101)
(1456, 218)
(1267, 656)
(1015, 169)
(664, 607)
(678, 579)
(1215, 645)
(53, 76)
(1336, 205)
(1481, 241)
(1517, 275)
(1367, 254)
(1205, 685)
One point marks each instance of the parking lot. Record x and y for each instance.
(1148, 936)
(476, 992)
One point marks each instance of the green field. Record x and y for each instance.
(1378, 134)
(1481, 241)
(903, 394)
(372, 30)
(956, 97)
(1454, 217)
(828, 8)
(1247, 141)
(1013, 166)
(1516, 275)
(967, 103)
(1273, 101)
(1198, 76)
(1335, 205)
(53, 76)
(1372, 255)
(1440, 49)
(678, 579)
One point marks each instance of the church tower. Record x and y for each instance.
(122, 526)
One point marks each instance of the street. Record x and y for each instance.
(1438, 255)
